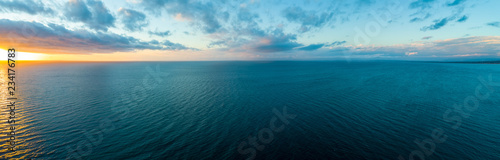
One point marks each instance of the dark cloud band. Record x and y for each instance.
(52, 38)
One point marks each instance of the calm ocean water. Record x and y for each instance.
(235, 110)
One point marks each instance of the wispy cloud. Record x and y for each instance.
(160, 34)
(311, 47)
(471, 55)
(426, 37)
(463, 19)
(437, 24)
(468, 46)
(336, 43)
(422, 4)
(28, 6)
(456, 2)
(419, 19)
(494, 24)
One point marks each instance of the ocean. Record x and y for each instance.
(255, 110)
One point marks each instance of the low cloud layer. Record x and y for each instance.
(485, 46)
(52, 38)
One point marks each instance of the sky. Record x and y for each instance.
(207, 30)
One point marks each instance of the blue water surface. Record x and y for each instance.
(213, 110)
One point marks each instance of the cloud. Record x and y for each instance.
(468, 46)
(93, 13)
(470, 55)
(456, 2)
(52, 38)
(276, 41)
(419, 19)
(336, 43)
(180, 18)
(427, 37)
(239, 29)
(102, 18)
(132, 19)
(494, 24)
(437, 24)
(463, 19)
(245, 15)
(160, 34)
(422, 4)
(306, 19)
(258, 41)
(27, 6)
(77, 10)
(449, 49)
(311, 47)
(416, 19)
(245, 35)
(365, 2)
(206, 15)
